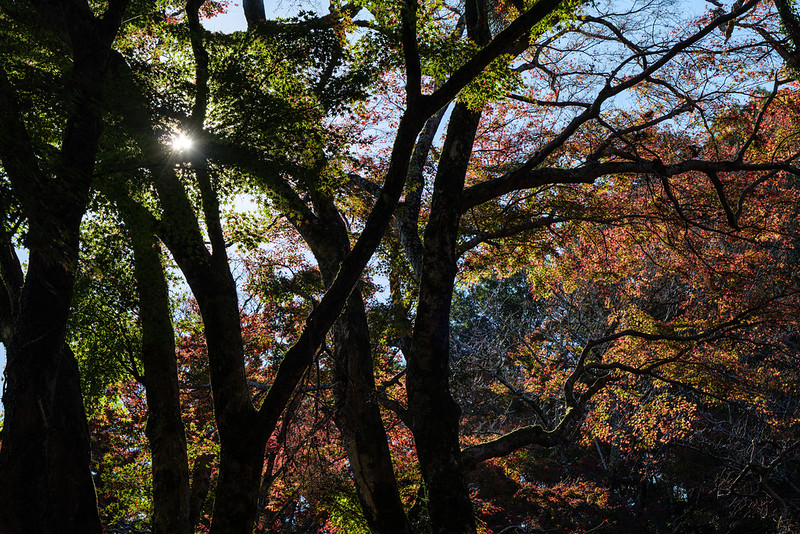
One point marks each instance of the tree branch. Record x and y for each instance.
(589, 172)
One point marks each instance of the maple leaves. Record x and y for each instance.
(674, 275)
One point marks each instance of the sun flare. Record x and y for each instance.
(181, 142)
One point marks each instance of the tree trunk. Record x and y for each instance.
(164, 430)
(242, 439)
(359, 419)
(357, 411)
(45, 476)
(241, 463)
(434, 413)
(208, 274)
(365, 438)
(45, 479)
(201, 482)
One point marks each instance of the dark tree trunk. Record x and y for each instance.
(434, 414)
(357, 410)
(358, 418)
(76, 500)
(241, 463)
(242, 439)
(45, 422)
(164, 430)
(45, 476)
(201, 482)
(242, 436)
(325, 314)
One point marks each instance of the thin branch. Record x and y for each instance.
(501, 44)
(367, 185)
(558, 104)
(723, 200)
(757, 124)
(520, 394)
(608, 91)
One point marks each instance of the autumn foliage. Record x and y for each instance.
(496, 267)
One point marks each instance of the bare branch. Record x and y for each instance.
(589, 172)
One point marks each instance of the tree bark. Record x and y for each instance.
(66, 451)
(242, 440)
(357, 410)
(433, 411)
(164, 430)
(201, 482)
(45, 477)
(359, 419)
(45, 480)
(435, 415)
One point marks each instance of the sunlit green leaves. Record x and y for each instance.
(103, 328)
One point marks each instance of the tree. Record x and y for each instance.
(534, 192)
(243, 431)
(544, 156)
(44, 462)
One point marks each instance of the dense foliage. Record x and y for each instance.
(400, 266)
